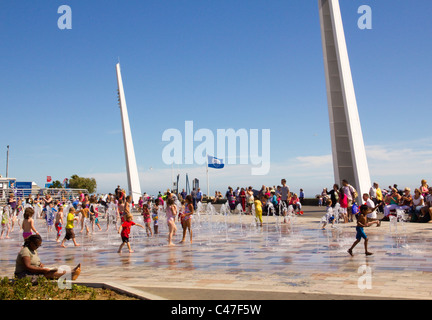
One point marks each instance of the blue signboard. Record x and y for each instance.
(23, 189)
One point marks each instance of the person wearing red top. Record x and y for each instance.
(343, 201)
(295, 203)
(243, 199)
(125, 232)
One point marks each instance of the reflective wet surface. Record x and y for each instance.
(231, 251)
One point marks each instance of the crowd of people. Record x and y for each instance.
(83, 212)
(393, 203)
(275, 195)
(417, 206)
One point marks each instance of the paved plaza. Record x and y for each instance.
(233, 258)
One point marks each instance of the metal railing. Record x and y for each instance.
(59, 194)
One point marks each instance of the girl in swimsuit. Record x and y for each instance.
(171, 212)
(187, 218)
(147, 219)
(84, 218)
(58, 222)
(28, 223)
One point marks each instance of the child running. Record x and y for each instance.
(187, 217)
(361, 223)
(155, 216)
(258, 210)
(70, 235)
(5, 222)
(125, 231)
(50, 213)
(329, 216)
(59, 222)
(94, 214)
(147, 219)
(84, 218)
(28, 223)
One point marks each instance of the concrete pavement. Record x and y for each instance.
(233, 259)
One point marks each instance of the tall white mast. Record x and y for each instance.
(349, 155)
(134, 188)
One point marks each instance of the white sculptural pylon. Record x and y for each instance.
(134, 187)
(348, 150)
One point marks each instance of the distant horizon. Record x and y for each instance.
(309, 194)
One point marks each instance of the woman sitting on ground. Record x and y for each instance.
(392, 203)
(417, 205)
(28, 262)
(296, 205)
(426, 211)
(406, 200)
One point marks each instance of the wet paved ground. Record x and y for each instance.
(232, 258)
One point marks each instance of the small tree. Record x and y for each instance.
(76, 182)
(56, 184)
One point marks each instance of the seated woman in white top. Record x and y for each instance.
(373, 215)
(418, 200)
(426, 211)
(417, 205)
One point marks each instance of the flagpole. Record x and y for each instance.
(208, 195)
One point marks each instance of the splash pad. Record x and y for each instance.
(231, 242)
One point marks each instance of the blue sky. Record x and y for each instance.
(223, 64)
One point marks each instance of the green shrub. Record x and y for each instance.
(41, 288)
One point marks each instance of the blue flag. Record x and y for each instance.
(215, 163)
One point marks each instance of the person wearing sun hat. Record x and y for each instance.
(406, 200)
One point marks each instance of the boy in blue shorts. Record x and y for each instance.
(361, 223)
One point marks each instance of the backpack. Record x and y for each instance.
(355, 209)
(353, 192)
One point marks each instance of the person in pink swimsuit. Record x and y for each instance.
(28, 223)
(147, 219)
(171, 212)
(187, 218)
